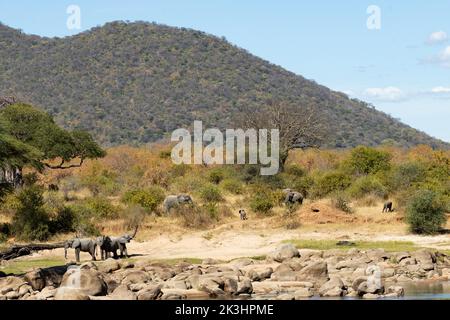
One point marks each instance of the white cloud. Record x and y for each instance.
(442, 58)
(388, 94)
(437, 37)
(439, 90)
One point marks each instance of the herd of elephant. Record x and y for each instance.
(105, 244)
(108, 245)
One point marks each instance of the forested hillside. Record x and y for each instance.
(134, 83)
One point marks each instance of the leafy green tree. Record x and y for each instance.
(366, 160)
(38, 130)
(426, 213)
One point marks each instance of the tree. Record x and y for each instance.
(365, 160)
(426, 213)
(37, 130)
(300, 127)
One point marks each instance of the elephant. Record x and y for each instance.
(293, 197)
(174, 201)
(388, 207)
(112, 244)
(243, 214)
(81, 245)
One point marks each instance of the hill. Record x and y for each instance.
(132, 83)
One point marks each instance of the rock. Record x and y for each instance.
(65, 293)
(446, 273)
(365, 288)
(395, 290)
(269, 286)
(424, 257)
(307, 254)
(253, 275)
(245, 286)
(23, 290)
(407, 262)
(303, 293)
(377, 255)
(230, 286)
(316, 272)
(401, 256)
(285, 297)
(87, 281)
(242, 262)
(12, 295)
(266, 273)
(89, 265)
(284, 252)
(196, 295)
(150, 293)
(388, 272)
(332, 288)
(9, 284)
(108, 266)
(136, 276)
(357, 282)
(122, 292)
(127, 265)
(46, 293)
(370, 296)
(2, 298)
(173, 295)
(36, 279)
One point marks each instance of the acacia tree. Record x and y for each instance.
(300, 127)
(35, 139)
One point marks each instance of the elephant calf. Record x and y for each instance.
(388, 207)
(243, 214)
(112, 244)
(81, 245)
(174, 201)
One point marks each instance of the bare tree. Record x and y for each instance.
(300, 127)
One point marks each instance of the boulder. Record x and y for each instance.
(357, 282)
(9, 284)
(396, 291)
(65, 293)
(230, 286)
(332, 288)
(152, 292)
(253, 275)
(122, 292)
(136, 276)
(284, 252)
(36, 279)
(40, 278)
(266, 273)
(303, 293)
(370, 296)
(87, 281)
(245, 287)
(46, 293)
(315, 272)
(108, 266)
(210, 261)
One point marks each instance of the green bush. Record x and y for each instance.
(233, 186)
(211, 193)
(66, 221)
(426, 213)
(365, 160)
(101, 207)
(5, 231)
(367, 185)
(331, 182)
(261, 203)
(405, 175)
(148, 199)
(216, 176)
(31, 221)
(295, 170)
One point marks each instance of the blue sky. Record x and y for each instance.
(402, 68)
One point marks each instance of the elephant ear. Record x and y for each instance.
(76, 243)
(123, 240)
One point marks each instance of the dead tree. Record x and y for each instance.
(300, 126)
(17, 251)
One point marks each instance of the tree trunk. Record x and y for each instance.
(24, 250)
(283, 158)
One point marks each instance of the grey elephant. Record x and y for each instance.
(81, 245)
(293, 197)
(174, 201)
(112, 244)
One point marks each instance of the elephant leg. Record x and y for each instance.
(125, 251)
(77, 254)
(92, 252)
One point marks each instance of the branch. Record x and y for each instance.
(61, 165)
(24, 250)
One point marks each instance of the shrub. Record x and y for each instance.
(331, 182)
(210, 193)
(198, 217)
(366, 160)
(261, 203)
(425, 213)
(65, 221)
(367, 185)
(405, 175)
(101, 207)
(215, 176)
(233, 186)
(31, 221)
(148, 199)
(339, 201)
(295, 170)
(5, 231)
